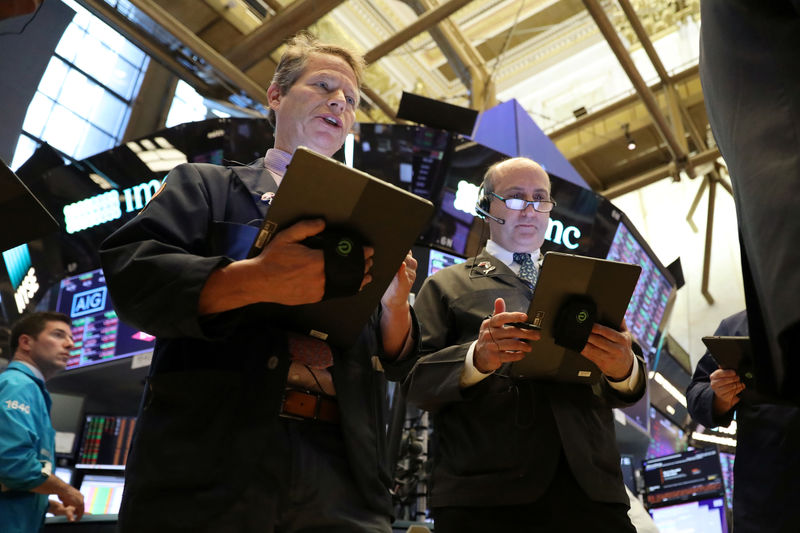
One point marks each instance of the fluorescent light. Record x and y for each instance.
(670, 388)
(725, 441)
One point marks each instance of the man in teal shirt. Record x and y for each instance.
(41, 344)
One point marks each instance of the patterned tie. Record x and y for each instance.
(309, 351)
(527, 270)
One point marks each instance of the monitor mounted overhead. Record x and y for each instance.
(19, 209)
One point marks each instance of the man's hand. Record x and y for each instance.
(59, 509)
(71, 503)
(726, 385)
(611, 351)
(396, 295)
(498, 343)
(285, 272)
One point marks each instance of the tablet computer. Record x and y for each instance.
(732, 353)
(386, 217)
(563, 279)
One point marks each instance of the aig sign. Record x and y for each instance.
(87, 302)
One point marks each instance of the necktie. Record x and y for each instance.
(527, 270)
(309, 351)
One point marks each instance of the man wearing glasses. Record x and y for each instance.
(516, 455)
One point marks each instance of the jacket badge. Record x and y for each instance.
(267, 197)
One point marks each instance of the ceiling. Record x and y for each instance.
(464, 52)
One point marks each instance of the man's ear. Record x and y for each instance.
(25, 341)
(274, 96)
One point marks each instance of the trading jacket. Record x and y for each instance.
(27, 448)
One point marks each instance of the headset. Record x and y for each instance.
(482, 206)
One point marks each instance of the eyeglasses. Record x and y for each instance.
(518, 204)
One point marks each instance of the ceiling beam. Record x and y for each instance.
(261, 42)
(214, 59)
(657, 174)
(429, 19)
(665, 131)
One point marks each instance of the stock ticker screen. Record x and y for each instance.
(683, 476)
(666, 438)
(105, 442)
(651, 296)
(98, 334)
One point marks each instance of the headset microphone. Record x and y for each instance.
(485, 214)
(482, 206)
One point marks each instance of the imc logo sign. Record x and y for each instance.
(87, 302)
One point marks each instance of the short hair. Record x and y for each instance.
(33, 324)
(294, 59)
(488, 176)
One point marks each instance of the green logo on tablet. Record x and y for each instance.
(582, 316)
(344, 247)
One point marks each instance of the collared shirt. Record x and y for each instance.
(276, 162)
(471, 375)
(34, 369)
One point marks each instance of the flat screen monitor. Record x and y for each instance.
(685, 476)
(438, 260)
(411, 157)
(105, 442)
(666, 438)
(702, 516)
(653, 294)
(628, 472)
(726, 462)
(98, 333)
(102, 494)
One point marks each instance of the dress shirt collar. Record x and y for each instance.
(508, 257)
(276, 162)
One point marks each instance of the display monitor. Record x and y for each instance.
(105, 442)
(438, 260)
(98, 333)
(654, 291)
(702, 516)
(666, 438)
(102, 494)
(411, 157)
(628, 471)
(685, 476)
(726, 462)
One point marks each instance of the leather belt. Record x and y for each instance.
(306, 405)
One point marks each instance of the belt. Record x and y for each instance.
(303, 405)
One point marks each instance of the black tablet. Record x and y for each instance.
(386, 217)
(572, 293)
(731, 353)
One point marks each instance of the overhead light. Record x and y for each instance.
(631, 142)
(670, 388)
(725, 441)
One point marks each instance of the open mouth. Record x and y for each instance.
(332, 121)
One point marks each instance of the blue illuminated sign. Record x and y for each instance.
(87, 302)
(18, 262)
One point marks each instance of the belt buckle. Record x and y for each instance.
(282, 413)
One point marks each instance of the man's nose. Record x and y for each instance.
(337, 100)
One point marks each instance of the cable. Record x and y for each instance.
(26, 24)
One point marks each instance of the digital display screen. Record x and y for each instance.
(628, 475)
(98, 334)
(683, 476)
(703, 516)
(102, 494)
(665, 437)
(105, 442)
(438, 260)
(653, 290)
(410, 157)
(726, 462)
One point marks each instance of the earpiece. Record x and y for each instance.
(482, 206)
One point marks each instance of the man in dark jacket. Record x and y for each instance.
(516, 455)
(246, 426)
(767, 466)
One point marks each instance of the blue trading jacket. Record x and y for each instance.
(27, 449)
